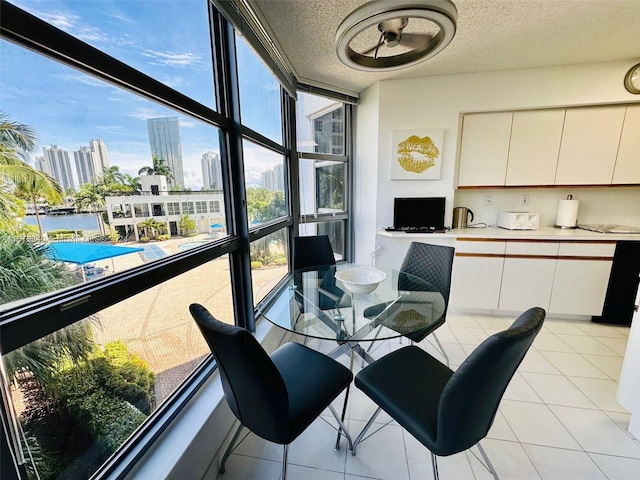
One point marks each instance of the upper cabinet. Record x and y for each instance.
(573, 146)
(484, 149)
(534, 147)
(627, 168)
(589, 145)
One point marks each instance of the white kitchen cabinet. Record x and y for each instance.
(534, 147)
(627, 169)
(527, 275)
(581, 278)
(484, 149)
(589, 145)
(477, 274)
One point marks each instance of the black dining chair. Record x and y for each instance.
(275, 396)
(448, 412)
(314, 253)
(432, 265)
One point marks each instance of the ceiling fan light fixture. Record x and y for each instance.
(441, 12)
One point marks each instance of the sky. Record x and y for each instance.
(167, 40)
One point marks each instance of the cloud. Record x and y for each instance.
(173, 59)
(64, 21)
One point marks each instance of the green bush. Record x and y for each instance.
(62, 233)
(144, 239)
(255, 265)
(163, 237)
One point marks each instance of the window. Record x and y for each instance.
(264, 183)
(132, 93)
(259, 94)
(322, 131)
(173, 208)
(201, 207)
(187, 207)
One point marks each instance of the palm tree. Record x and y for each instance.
(91, 196)
(150, 227)
(159, 168)
(16, 141)
(41, 186)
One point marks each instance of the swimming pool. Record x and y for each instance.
(153, 252)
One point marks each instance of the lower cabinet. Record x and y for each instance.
(567, 278)
(581, 278)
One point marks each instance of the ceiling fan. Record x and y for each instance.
(391, 19)
(392, 35)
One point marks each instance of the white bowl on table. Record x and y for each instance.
(361, 278)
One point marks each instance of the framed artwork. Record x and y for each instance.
(417, 154)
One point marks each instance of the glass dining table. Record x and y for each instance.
(315, 304)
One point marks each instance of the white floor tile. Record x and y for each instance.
(575, 365)
(612, 366)
(315, 448)
(469, 336)
(508, 458)
(462, 321)
(555, 463)
(562, 326)
(535, 423)
(617, 468)
(601, 392)
(588, 345)
(500, 430)
(600, 330)
(380, 456)
(535, 362)
(520, 390)
(550, 342)
(618, 345)
(596, 432)
(557, 390)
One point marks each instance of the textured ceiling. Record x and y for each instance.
(491, 35)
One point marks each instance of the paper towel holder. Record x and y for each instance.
(567, 216)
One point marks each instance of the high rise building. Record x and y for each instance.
(211, 171)
(99, 150)
(56, 163)
(164, 138)
(273, 179)
(88, 166)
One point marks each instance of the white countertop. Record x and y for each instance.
(544, 233)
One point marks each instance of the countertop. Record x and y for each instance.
(543, 233)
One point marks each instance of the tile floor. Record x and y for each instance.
(559, 418)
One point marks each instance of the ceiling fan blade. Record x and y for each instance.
(416, 41)
(375, 47)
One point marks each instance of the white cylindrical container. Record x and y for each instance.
(567, 216)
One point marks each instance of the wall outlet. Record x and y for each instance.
(488, 201)
(524, 201)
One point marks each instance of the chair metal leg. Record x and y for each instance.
(434, 465)
(230, 448)
(284, 462)
(441, 348)
(342, 430)
(364, 431)
(487, 461)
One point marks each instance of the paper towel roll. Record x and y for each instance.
(567, 216)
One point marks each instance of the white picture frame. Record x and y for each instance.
(417, 154)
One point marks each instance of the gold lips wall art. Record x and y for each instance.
(417, 154)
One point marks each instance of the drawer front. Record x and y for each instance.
(571, 249)
(532, 248)
(489, 247)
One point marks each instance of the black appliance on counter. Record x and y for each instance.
(623, 285)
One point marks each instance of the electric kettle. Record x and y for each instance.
(460, 216)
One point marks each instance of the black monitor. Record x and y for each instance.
(419, 212)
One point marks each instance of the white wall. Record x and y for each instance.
(438, 102)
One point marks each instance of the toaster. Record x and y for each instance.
(518, 220)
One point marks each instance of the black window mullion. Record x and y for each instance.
(240, 259)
